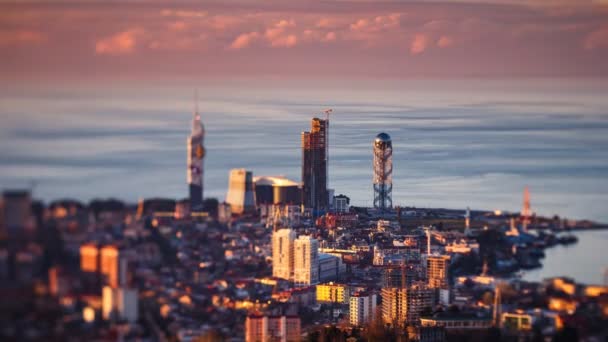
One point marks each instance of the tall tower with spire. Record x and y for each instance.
(196, 153)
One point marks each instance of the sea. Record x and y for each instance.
(586, 261)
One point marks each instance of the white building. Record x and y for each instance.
(362, 308)
(120, 303)
(306, 261)
(283, 253)
(341, 204)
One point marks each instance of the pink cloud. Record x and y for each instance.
(21, 37)
(419, 44)
(244, 40)
(285, 41)
(183, 13)
(445, 41)
(329, 37)
(118, 44)
(177, 26)
(596, 39)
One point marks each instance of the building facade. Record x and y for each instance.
(264, 328)
(330, 267)
(437, 271)
(241, 196)
(89, 258)
(333, 293)
(306, 261)
(119, 303)
(113, 266)
(362, 308)
(283, 253)
(314, 166)
(402, 306)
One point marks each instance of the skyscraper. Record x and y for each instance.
(383, 172)
(306, 261)
(282, 253)
(196, 153)
(240, 192)
(314, 166)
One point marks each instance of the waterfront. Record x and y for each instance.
(584, 261)
(457, 143)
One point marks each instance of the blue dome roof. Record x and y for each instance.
(383, 137)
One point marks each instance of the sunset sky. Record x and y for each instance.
(131, 39)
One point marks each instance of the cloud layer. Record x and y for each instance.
(376, 39)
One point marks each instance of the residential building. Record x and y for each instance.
(437, 271)
(119, 303)
(401, 306)
(362, 308)
(283, 253)
(306, 261)
(264, 328)
(333, 293)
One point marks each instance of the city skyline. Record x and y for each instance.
(459, 194)
(53, 140)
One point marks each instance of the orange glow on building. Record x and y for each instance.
(89, 258)
(110, 265)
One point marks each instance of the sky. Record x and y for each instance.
(68, 40)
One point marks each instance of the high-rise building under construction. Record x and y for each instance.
(314, 166)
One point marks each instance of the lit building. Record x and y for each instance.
(89, 258)
(283, 253)
(306, 261)
(314, 166)
(263, 328)
(362, 308)
(119, 303)
(276, 190)
(437, 271)
(383, 172)
(196, 153)
(113, 266)
(401, 306)
(59, 281)
(333, 293)
(240, 192)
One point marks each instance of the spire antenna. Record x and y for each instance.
(196, 101)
